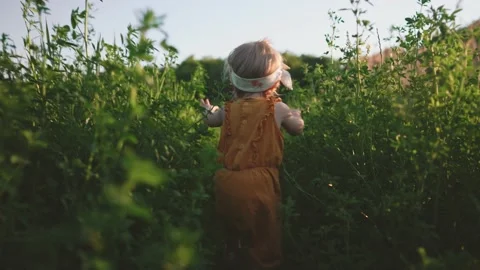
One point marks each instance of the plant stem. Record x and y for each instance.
(85, 29)
(357, 44)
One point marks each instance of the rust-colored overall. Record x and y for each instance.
(247, 188)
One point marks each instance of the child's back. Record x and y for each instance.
(250, 135)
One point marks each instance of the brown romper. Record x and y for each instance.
(247, 188)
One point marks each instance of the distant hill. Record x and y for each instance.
(387, 53)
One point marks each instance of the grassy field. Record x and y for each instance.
(105, 163)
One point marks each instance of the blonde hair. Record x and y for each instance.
(254, 60)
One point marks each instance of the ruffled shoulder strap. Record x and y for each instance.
(226, 131)
(226, 119)
(269, 113)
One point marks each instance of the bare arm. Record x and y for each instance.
(289, 119)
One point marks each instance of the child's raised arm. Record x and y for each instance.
(214, 114)
(290, 120)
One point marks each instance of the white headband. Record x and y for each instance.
(261, 84)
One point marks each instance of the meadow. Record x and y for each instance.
(105, 162)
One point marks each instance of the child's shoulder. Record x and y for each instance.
(281, 107)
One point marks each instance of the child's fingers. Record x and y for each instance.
(205, 103)
(202, 103)
(296, 112)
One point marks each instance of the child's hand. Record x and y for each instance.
(205, 103)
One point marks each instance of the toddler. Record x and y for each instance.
(251, 146)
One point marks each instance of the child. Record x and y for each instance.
(251, 146)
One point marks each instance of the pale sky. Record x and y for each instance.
(215, 27)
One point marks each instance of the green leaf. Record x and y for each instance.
(142, 171)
